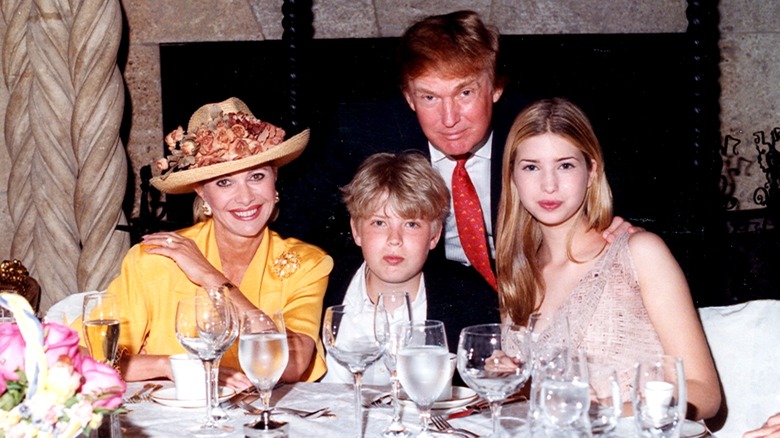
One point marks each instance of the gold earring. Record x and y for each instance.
(206, 209)
(276, 197)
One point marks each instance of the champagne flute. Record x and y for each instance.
(204, 327)
(424, 366)
(352, 348)
(493, 360)
(100, 319)
(659, 396)
(398, 308)
(263, 352)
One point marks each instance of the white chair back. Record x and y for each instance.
(745, 343)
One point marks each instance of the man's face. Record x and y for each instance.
(454, 112)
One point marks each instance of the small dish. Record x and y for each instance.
(167, 397)
(461, 396)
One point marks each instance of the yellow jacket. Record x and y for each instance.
(150, 286)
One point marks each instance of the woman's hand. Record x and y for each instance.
(770, 429)
(186, 254)
(233, 378)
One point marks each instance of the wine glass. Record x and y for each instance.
(100, 319)
(352, 348)
(398, 308)
(659, 396)
(493, 360)
(205, 328)
(217, 294)
(423, 366)
(263, 352)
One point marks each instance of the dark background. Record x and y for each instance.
(637, 89)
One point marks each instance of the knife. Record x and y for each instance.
(241, 395)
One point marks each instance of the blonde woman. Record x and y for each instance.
(623, 299)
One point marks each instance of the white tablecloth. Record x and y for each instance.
(149, 419)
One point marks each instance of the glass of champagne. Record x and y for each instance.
(424, 366)
(100, 317)
(398, 308)
(493, 360)
(352, 348)
(263, 352)
(204, 327)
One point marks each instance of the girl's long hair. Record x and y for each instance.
(519, 235)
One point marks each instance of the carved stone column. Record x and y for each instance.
(62, 130)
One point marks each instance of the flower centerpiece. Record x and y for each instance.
(47, 387)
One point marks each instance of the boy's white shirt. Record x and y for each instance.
(357, 303)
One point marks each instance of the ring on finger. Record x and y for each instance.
(168, 241)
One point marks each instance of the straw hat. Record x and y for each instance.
(223, 138)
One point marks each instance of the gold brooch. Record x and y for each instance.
(286, 264)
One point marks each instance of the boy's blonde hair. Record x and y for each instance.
(406, 181)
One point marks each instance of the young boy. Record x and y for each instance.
(397, 204)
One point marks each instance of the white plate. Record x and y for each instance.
(461, 396)
(167, 397)
(690, 429)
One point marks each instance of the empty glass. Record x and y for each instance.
(352, 348)
(493, 366)
(659, 396)
(398, 308)
(205, 326)
(606, 404)
(564, 397)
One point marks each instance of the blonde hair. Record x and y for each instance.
(519, 235)
(412, 188)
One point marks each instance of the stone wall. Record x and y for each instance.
(750, 45)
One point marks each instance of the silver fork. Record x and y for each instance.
(252, 410)
(137, 397)
(443, 425)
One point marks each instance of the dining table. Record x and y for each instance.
(156, 417)
(150, 418)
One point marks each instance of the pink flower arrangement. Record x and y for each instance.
(47, 388)
(225, 137)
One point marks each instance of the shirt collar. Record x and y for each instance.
(484, 153)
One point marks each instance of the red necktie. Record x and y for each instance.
(471, 223)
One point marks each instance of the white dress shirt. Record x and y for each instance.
(478, 168)
(358, 304)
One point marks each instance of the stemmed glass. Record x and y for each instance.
(263, 352)
(205, 326)
(352, 348)
(397, 306)
(659, 396)
(424, 366)
(494, 361)
(100, 318)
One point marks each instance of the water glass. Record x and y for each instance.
(606, 404)
(564, 397)
(263, 352)
(424, 366)
(659, 396)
